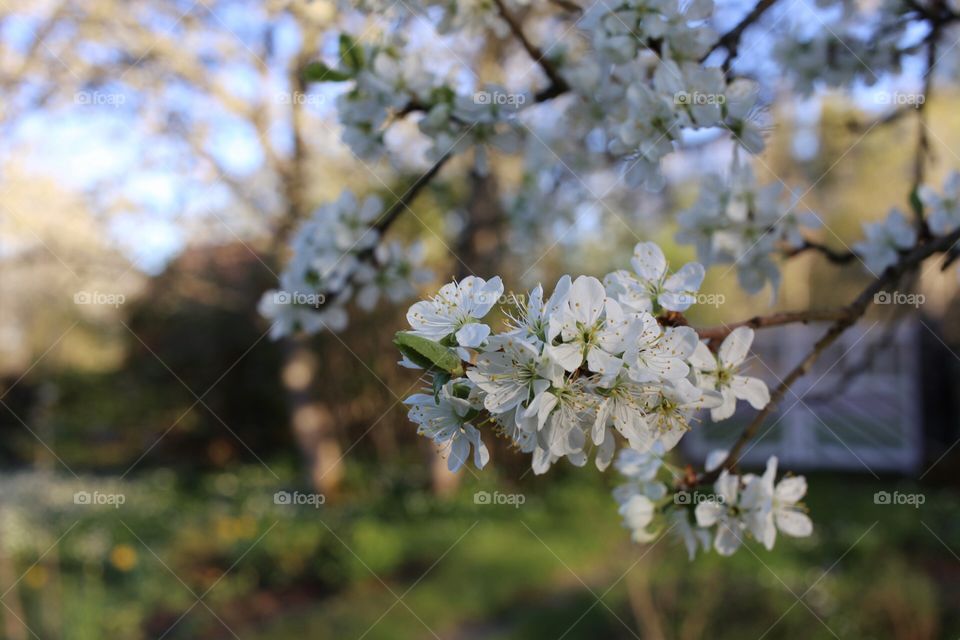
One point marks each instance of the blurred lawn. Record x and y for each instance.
(386, 560)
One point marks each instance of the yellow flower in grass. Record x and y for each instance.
(123, 557)
(36, 577)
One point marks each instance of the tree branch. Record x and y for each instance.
(557, 83)
(923, 139)
(731, 39)
(567, 5)
(391, 214)
(773, 320)
(850, 315)
(837, 257)
(403, 202)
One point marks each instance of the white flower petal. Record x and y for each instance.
(472, 334)
(793, 523)
(648, 261)
(735, 347)
(707, 513)
(727, 541)
(715, 459)
(790, 490)
(753, 390)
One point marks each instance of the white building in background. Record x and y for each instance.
(860, 408)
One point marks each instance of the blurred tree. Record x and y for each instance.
(186, 78)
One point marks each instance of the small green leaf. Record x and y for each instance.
(915, 203)
(320, 72)
(461, 391)
(428, 354)
(440, 378)
(351, 52)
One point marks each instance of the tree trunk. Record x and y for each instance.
(314, 425)
(312, 422)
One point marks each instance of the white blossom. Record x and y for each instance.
(724, 514)
(336, 253)
(884, 240)
(719, 372)
(512, 376)
(755, 505)
(446, 420)
(651, 287)
(456, 310)
(737, 221)
(943, 212)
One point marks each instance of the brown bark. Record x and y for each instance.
(311, 420)
(313, 424)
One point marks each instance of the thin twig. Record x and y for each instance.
(851, 314)
(573, 7)
(731, 39)
(557, 83)
(773, 320)
(390, 216)
(923, 139)
(403, 202)
(837, 257)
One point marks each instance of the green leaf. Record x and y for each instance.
(915, 203)
(440, 378)
(320, 72)
(428, 354)
(461, 391)
(351, 52)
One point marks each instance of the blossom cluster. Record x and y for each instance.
(740, 506)
(336, 255)
(943, 211)
(574, 372)
(633, 76)
(839, 59)
(644, 107)
(737, 221)
(386, 79)
(885, 240)
(642, 82)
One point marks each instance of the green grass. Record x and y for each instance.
(868, 572)
(559, 565)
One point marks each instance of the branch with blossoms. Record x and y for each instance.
(849, 315)
(588, 370)
(339, 252)
(608, 370)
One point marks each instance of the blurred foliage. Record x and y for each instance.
(557, 564)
